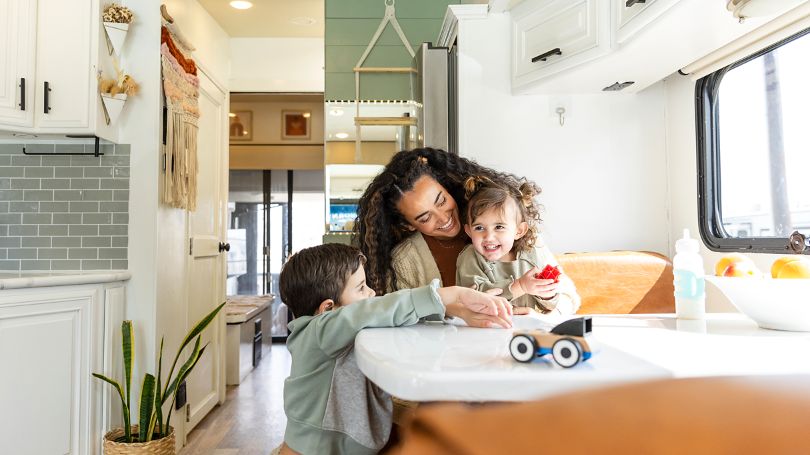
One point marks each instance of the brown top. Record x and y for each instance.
(754, 414)
(445, 252)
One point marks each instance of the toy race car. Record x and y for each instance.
(566, 343)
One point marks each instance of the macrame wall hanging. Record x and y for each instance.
(181, 90)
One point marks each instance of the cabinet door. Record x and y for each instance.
(17, 44)
(46, 339)
(549, 36)
(632, 16)
(65, 50)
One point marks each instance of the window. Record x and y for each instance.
(754, 151)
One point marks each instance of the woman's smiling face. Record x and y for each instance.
(430, 209)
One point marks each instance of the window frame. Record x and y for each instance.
(708, 151)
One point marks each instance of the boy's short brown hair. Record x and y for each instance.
(315, 274)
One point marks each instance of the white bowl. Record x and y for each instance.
(780, 304)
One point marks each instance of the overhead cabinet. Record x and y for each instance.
(52, 51)
(633, 15)
(549, 36)
(17, 44)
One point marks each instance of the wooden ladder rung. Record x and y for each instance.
(395, 121)
(382, 69)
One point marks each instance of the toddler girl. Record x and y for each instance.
(507, 251)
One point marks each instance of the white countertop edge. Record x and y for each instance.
(64, 280)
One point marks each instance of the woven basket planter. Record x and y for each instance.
(163, 446)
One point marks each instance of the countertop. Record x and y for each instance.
(242, 308)
(21, 280)
(443, 362)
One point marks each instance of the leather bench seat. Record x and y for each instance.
(621, 282)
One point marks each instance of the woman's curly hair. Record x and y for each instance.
(483, 194)
(380, 227)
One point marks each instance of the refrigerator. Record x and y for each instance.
(435, 94)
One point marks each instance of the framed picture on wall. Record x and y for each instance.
(241, 125)
(295, 125)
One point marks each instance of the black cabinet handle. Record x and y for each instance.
(542, 57)
(630, 3)
(22, 93)
(224, 247)
(47, 92)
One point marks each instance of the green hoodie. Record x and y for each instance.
(331, 407)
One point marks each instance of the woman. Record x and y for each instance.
(408, 224)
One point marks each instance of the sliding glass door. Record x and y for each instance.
(272, 214)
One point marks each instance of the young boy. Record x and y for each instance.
(331, 407)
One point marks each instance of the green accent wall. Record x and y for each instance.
(350, 25)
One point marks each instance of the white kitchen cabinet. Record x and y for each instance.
(549, 36)
(632, 16)
(17, 44)
(51, 340)
(60, 64)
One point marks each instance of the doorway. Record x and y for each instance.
(272, 213)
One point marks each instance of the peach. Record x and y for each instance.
(777, 264)
(795, 269)
(731, 258)
(743, 269)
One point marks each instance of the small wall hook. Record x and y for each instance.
(561, 113)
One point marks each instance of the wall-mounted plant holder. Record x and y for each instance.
(116, 35)
(113, 104)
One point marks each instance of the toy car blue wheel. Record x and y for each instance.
(523, 348)
(566, 352)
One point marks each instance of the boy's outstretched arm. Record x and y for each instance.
(336, 329)
(479, 309)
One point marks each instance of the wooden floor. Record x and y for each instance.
(252, 420)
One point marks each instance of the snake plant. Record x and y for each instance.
(150, 418)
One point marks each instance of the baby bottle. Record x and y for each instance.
(690, 285)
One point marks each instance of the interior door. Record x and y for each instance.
(206, 277)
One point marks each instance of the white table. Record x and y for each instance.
(441, 362)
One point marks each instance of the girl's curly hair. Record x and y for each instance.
(483, 194)
(380, 227)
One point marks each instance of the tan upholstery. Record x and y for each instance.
(764, 415)
(621, 282)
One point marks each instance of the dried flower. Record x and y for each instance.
(117, 13)
(127, 85)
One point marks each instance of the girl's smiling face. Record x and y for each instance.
(430, 209)
(493, 232)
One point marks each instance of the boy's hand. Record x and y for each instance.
(478, 309)
(543, 288)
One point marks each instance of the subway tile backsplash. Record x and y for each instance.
(63, 212)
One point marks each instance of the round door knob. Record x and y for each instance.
(224, 247)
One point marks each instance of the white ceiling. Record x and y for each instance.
(269, 18)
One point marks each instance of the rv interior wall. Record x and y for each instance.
(603, 173)
(158, 249)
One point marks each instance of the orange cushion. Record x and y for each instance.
(621, 282)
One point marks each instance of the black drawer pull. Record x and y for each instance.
(633, 2)
(22, 93)
(542, 57)
(47, 92)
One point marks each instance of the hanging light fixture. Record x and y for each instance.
(754, 8)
